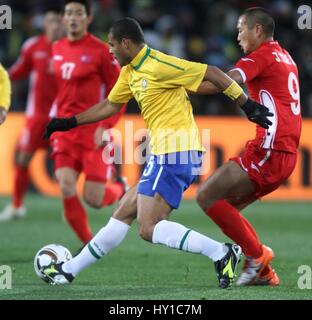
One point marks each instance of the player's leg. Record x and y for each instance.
(154, 227)
(30, 140)
(268, 275)
(16, 208)
(108, 238)
(232, 183)
(97, 192)
(160, 190)
(74, 211)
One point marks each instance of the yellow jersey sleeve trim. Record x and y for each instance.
(5, 89)
(147, 53)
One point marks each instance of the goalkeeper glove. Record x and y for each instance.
(257, 113)
(59, 124)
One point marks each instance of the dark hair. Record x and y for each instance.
(127, 28)
(86, 3)
(258, 15)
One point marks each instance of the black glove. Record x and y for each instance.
(257, 113)
(59, 124)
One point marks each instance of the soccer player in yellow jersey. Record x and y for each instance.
(5, 94)
(158, 82)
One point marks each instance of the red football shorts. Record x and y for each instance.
(31, 137)
(268, 169)
(89, 161)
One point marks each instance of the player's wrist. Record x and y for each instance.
(234, 91)
(248, 106)
(72, 122)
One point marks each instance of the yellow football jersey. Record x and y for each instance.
(5, 89)
(158, 82)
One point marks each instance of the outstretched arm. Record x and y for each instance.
(98, 112)
(207, 87)
(216, 81)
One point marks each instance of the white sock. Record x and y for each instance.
(175, 235)
(103, 242)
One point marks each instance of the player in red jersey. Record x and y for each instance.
(271, 76)
(34, 61)
(85, 72)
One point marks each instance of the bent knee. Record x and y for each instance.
(67, 185)
(202, 199)
(93, 200)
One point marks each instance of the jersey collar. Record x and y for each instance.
(139, 59)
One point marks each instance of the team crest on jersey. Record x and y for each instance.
(85, 58)
(144, 83)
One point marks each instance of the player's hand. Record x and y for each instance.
(257, 113)
(59, 124)
(3, 114)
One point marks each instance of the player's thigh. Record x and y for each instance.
(127, 206)
(227, 182)
(93, 193)
(151, 210)
(67, 178)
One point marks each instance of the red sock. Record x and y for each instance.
(236, 227)
(21, 181)
(76, 216)
(266, 269)
(113, 192)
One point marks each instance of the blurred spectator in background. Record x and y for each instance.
(199, 30)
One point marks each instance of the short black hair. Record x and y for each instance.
(127, 28)
(86, 3)
(259, 15)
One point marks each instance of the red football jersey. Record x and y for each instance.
(271, 76)
(85, 72)
(35, 60)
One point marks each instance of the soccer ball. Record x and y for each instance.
(52, 253)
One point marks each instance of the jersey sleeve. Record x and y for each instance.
(23, 66)
(175, 72)
(121, 92)
(251, 66)
(5, 89)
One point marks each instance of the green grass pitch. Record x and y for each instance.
(139, 270)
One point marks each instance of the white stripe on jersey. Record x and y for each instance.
(267, 100)
(53, 110)
(30, 108)
(265, 159)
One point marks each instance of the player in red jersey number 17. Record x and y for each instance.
(85, 72)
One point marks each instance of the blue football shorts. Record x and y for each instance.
(170, 175)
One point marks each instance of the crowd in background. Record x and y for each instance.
(198, 30)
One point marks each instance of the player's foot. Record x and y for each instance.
(253, 267)
(56, 275)
(226, 267)
(269, 279)
(10, 213)
(123, 181)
